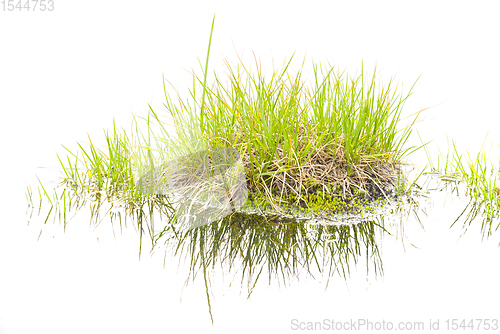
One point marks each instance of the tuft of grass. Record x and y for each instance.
(338, 139)
(481, 178)
(335, 136)
(339, 132)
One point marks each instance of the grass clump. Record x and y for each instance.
(339, 133)
(481, 178)
(335, 137)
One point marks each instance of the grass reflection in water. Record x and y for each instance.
(273, 248)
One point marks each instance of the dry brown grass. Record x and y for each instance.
(326, 169)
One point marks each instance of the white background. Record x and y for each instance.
(67, 73)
